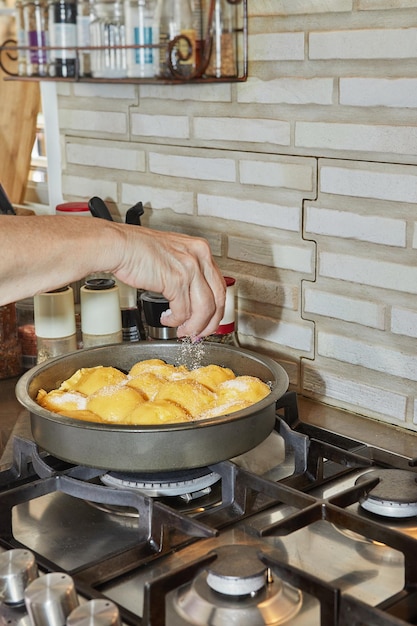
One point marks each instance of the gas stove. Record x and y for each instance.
(310, 528)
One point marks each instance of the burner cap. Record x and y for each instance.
(230, 591)
(237, 571)
(175, 483)
(394, 496)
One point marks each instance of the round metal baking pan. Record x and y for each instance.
(152, 448)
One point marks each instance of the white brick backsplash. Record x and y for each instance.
(370, 92)
(273, 254)
(255, 131)
(277, 46)
(404, 321)
(297, 7)
(287, 91)
(372, 5)
(345, 308)
(303, 179)
(286, 175)
(218, 169)
(298, 336)
(105, 155)
(158, 198)
(372, 356)
(368, 271)
(101, 90)
(349, 225)
(354, 394)
(395, 183)
(260, 290)
(200, 93)
(250, 211)
(357, 137)
(75, 186)
(106, 122)
(171, 126)
(385, 43)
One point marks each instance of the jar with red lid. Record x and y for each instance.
(75, 209)
(226, 331)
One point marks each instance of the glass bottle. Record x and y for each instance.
(226, 331)
(223, 54)
(107, 30)
(141, 30)
(21, 38)
(35, 13)
(132, 327)
(54, 316)
(85, 16)
(63, 21)
(175, 18)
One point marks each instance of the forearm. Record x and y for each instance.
(41, 253)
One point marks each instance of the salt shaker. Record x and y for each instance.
(54, 316)
(226, 331)
(101, 318)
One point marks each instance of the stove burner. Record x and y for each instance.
(235, 589)
(189, 484)
(394, 496)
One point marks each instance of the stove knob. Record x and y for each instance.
(17, 570)
(50, 599)
(95, 613)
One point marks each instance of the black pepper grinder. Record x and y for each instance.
(153, 305)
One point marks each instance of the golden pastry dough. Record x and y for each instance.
(114, 404)
(147, 383)
(60, 401)
(154, 392)
(211, 375)
(158, 367)
(243, 388)
(88, 380)
(189, 394)
(158, 412)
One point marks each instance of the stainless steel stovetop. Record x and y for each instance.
(280, 536)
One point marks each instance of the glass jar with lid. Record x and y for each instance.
(107, 32)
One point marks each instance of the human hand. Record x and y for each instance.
(182, 269)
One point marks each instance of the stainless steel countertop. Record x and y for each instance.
(13, 417)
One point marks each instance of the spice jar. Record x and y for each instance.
(141, 30)
(55, 323)
(154, 304)
(175, 19)
(101, 318)
(222, 61)
(26, 332)
(21, 38)
(226, 331)
(10, 351)
(35, 14)
(63, 19)
(74, 209)
(107, 31)
(85, 16)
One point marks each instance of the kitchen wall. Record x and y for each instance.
(303, 179)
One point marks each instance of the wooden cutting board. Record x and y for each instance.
(19, 107)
